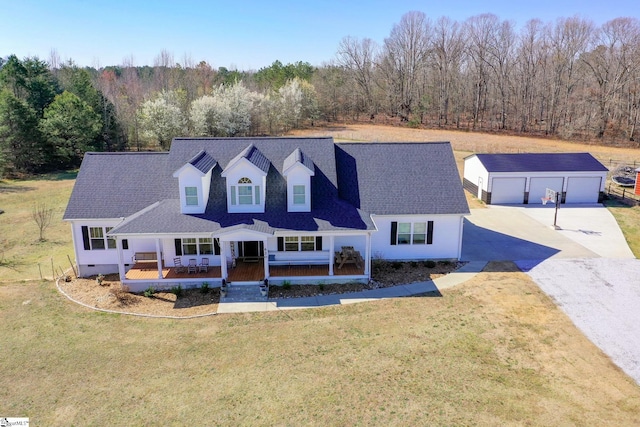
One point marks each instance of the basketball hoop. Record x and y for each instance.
(545, 200)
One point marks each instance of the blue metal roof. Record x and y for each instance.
(541, 162)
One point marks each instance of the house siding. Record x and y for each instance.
(445, 244)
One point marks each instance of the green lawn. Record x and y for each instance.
(495, 351)
(628, 219)
(22, 255)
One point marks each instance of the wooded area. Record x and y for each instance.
(569, 79)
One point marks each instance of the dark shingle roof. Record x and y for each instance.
(115, 185)
(541, 162)
(203, 162)
(400, 178)
(252, 154)
(297, 156)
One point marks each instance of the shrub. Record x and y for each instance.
(429, 263)
(321, 286)
(413, 264)
(149, 292)
(286, 285)
(177, 291)
(205, 287)
(396, 265)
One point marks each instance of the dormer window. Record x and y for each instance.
(246, 177)
(245, 193)
(298, 170)
(191, 196)
(299, 195)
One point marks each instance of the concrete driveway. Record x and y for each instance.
(525, 234)
(585, 266)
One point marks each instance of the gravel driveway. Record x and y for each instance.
(586, 267)
(602, 298)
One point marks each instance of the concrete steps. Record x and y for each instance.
(243, 293)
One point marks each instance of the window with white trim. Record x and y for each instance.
(245, 193)
(191, 196)
(111, 241)
(301, 243)
(197, 246)
(412, 233)
(96, 237)
(205, 246)
(299, 192)
(189, 246)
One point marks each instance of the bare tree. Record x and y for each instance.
(448, 46)
(404, 58)
(357, 57)
(480, 30)
(613, 61)
(568, 39)
(42, 215)
(530, 60)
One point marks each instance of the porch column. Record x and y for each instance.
(121, 271)
(223, 259)
(159, 258)
(367, 254)
(266, 259)
(332, 254)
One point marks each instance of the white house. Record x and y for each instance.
(523, 178)
(246, 209)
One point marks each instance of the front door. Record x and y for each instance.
(250, 249)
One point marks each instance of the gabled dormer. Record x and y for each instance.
(298, 170)
(194, 181)
(246, 176)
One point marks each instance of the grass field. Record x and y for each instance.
(22, 255)
(493, 351)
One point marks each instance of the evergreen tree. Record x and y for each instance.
(71, 126)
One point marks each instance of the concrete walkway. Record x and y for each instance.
(461, 275)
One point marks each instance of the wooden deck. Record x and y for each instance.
(242, 272)
(149, 271)
(246, 271)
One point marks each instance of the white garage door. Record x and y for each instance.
(583, 189)
(538, 188)
(507, 190)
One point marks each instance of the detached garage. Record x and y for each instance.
(524, 178)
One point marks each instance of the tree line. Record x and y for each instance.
(569, 79)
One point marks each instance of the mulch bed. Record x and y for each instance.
(112, 295)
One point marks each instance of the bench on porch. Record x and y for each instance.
(297, 261)
(308, 262)
(145, 257)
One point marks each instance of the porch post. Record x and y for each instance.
(223, 259)
(266, 259)
(121, 271)
(367, 254)
(332, 254)
(159, 258)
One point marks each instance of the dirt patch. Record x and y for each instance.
(111, 295)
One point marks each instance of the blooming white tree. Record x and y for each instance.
(291, 97)
(162, 119)
(227, 112)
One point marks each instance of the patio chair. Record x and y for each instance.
(193, 266)
(204, 265)
(178, 267)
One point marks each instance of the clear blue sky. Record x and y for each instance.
(242, 34)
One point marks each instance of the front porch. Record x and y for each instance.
(149, 271)
(244, 271)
